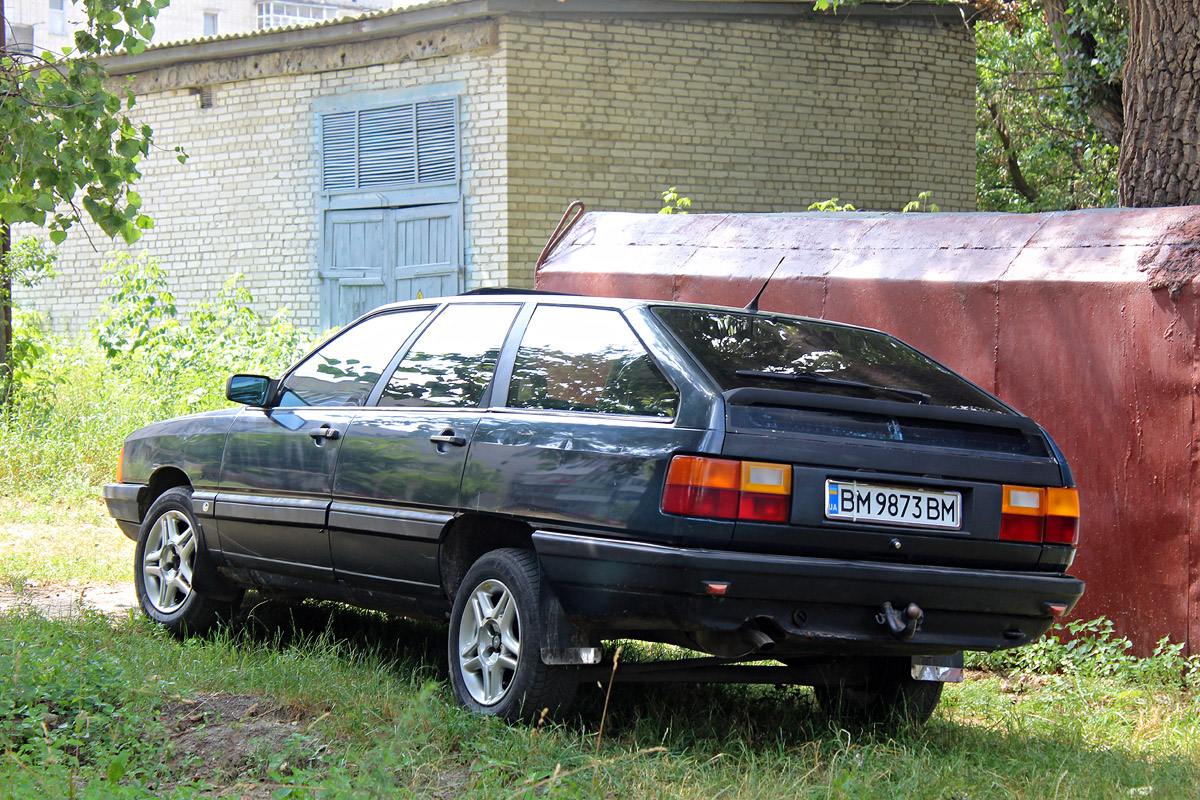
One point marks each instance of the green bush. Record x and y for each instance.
(1093, 650)
(74, 400)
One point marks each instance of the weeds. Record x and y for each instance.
(1093, 650)
(74, 401)
(363, 711)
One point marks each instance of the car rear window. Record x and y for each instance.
(773, 352)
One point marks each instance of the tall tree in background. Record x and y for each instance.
(1160, 148)
(68, 147)
(1061, 82)
(1048, 103)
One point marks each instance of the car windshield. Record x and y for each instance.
(763, 351)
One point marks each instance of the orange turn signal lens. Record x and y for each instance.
(120, 464)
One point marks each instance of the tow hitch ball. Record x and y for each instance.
(903, 624)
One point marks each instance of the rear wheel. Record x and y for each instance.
(495, 641)
(890, 695)
(168, 556)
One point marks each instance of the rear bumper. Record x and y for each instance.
(122, 500)
(809, 605)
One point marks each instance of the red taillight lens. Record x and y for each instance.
(722, 488)
(1014, 528)
(700, 501)
(1062, 516)
(1033, 514)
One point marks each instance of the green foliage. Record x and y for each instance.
(1094, 651)
(76, 400)
(921, 204)
(832, 204)
(1026, 95)
(27, 263)
(674, 203)
(68, 142)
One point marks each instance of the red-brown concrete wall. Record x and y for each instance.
(1033, 309)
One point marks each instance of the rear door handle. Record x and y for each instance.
(448, 437)
(325, 432)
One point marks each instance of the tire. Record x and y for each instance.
(168, 556)
(495, 638)
(890, 697)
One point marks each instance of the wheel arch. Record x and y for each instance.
(468, 537)
(161, 480)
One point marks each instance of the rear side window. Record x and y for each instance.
(587, 359)
(452, 362)
(343, 371)
(809, 356)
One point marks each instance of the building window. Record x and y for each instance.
(58, 17)
(22, 38)
(411, 144)
(278, 15)
(211, 26)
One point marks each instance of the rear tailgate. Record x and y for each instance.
(892, 481)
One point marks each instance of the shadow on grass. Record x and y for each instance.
(753, 722)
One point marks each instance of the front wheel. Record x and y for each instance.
(495, 640)
(167, 558)
(890, 695)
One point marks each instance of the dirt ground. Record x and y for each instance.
(58, 600)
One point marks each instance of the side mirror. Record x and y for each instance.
(249, 390)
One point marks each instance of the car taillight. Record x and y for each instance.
(1032, 514)
(120, 463)
(723, 488)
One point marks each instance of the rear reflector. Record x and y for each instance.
(722, 488)
(1031, 514)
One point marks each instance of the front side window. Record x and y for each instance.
(343, 371)
(587, 359)
(453, 361)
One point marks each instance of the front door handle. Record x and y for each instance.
(448, 437)
(325, 432)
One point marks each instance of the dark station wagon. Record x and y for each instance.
(549, 472)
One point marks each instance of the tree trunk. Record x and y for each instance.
(1160, 149)
(1103, 100)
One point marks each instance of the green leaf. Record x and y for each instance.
(58, 236)
(144, 222)
(45, 201)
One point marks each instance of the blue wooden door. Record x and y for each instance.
(383, 255)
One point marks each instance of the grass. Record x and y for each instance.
(375, 719)
(372, 716)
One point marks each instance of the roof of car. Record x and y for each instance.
(502, 294)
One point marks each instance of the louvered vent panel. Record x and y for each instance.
(339, 146)
(437, 139)
(387, 147)
(402, 145)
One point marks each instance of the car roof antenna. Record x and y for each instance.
(569, 218)
(752, 306)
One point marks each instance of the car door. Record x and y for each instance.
(586, 431)
(398, 480)
(277, 471)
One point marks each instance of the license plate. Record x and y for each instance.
(864, 502)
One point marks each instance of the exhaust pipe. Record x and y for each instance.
(761, 642)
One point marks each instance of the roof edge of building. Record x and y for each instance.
(437, 14)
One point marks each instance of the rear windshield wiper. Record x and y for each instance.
(813, 377)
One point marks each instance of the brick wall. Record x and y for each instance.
(246, 200)
(749, 116)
